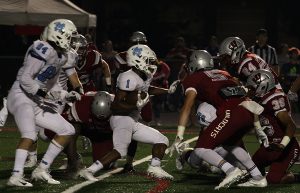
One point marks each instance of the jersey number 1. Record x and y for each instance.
(127, 83)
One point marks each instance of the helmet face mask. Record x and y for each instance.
(101, 105)
(79, 44)
(260, 82)
(200, 60)
(142, 58)
(60, 31)
(233, 47)
(138, 37)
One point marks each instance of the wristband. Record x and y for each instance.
(108, 81)
(285, 141)
(180, 131)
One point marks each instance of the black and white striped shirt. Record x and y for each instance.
(267, 53)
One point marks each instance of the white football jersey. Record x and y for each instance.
(130, 81)
(41, 68)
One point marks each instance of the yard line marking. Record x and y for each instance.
(108, 174)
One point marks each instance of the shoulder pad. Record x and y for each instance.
(42, 50)
(126, 82)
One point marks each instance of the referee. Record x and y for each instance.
(265, 51)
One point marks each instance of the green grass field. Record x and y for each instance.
(186, 181)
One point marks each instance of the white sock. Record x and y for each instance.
(246, 160)
(21, 155)
(155, 162)
(52, 152)
(96, 166)
(214, 159)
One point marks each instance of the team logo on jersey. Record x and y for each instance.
(137, 51)
(59, 26)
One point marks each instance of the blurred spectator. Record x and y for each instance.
(291, 70)
(91, 39)
(176, 57)
(265, 51)
(108, 54)
(160, 79)
(283, 55)
(213, 46)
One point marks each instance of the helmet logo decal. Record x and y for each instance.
(233, 45)
(59, 26)
(137, 51)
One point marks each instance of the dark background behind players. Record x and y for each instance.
(163, 21)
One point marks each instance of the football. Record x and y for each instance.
(132, 97)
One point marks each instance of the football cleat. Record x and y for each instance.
(254, 183)
(230, 179)
(87, 174)
(31, 162)
(43, 174)
(18, 180)
(158, 172)
(128, 168)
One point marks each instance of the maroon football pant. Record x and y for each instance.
(279, 162)
(231, 124)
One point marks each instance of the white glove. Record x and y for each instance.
(63, 96)
(3, 113)
(142, 102)
(56, 95)
(293, 96)
(173, 86)
(262, 137)
(72, 96)
(175, 146)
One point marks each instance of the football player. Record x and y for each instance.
(68, 73)
(125, 114)
(279, 126)
(89, 64)
(222, 91)
(27, 100)
(240, 62)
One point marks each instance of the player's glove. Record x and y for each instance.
(72, 96)
(293, 96)
(63, 96)
(177, 142)
(142, 102)
(262, 137)
(173, 86)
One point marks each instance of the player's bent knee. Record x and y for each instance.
(67, 130)
(121, 151)
(162, 139)
(274, 178)
(30, 135)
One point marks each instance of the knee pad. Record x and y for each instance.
(67, 130)
(162, 139)
(29, 135)
(122, 151)
(200, 151)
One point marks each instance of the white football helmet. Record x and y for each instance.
(200, 59)
(143, 58)
(234, 47)
(101, 105)
(262, 81)
(138, 37)
(60, 32)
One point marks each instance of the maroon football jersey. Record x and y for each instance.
(86, 68)
(273, 103)
(121, 60)
(208, 85)
(249, 63)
